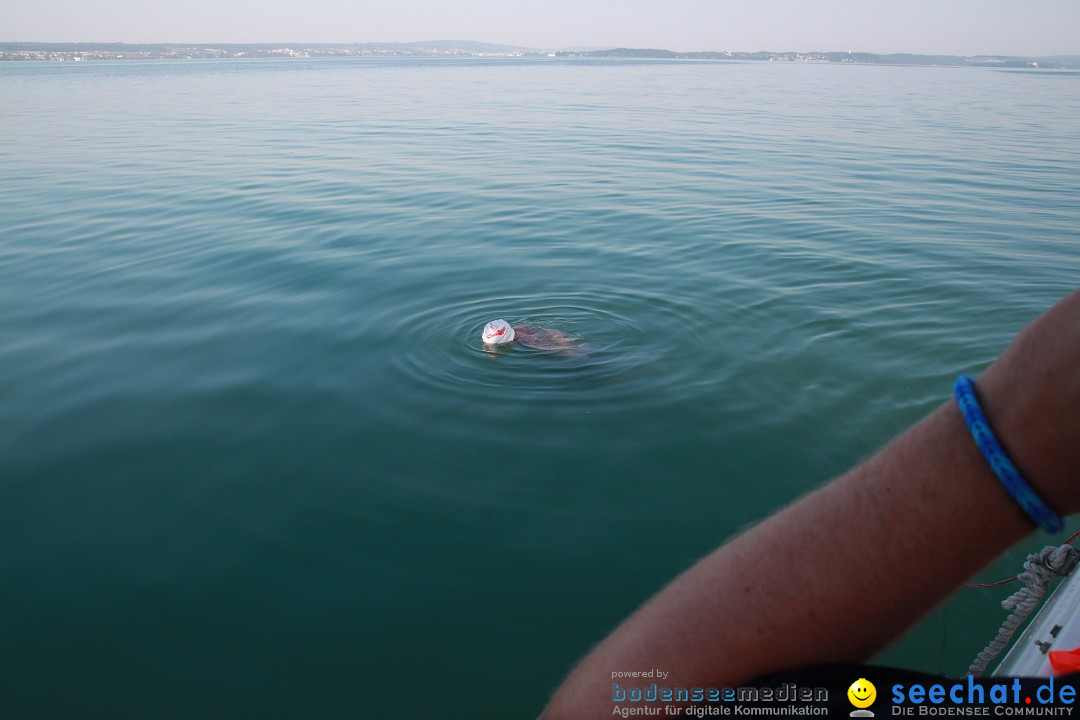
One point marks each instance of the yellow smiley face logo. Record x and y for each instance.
(862, 693)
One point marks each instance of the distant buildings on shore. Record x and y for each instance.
(71, 52)
(208, 53)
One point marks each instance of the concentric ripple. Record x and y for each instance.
(623, 351)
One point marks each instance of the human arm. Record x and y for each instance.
(844, 570)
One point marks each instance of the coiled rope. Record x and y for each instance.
(1040, 569)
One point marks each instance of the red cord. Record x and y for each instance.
(1014, 577)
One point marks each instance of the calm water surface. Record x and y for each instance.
(253, 460)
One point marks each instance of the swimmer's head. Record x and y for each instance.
(498, 332)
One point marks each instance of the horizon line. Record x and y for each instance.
(574, 48)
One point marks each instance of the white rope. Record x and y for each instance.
(1040, 569)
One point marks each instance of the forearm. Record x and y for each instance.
(846, 569)
(902, 531)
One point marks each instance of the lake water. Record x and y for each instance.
(254, 461)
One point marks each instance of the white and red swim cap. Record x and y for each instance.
(498, 332)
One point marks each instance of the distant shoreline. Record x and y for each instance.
(73, 52)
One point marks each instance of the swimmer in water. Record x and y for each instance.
(500, 332)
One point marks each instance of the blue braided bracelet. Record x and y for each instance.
(1021, 491)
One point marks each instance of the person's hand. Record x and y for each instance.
(1031, 396)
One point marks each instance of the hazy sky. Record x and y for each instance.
(965, 27)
